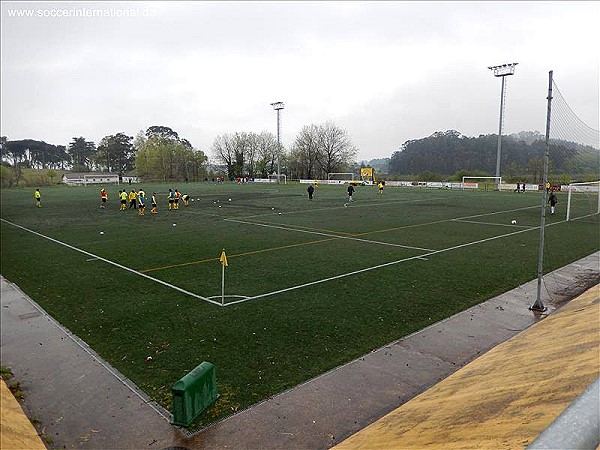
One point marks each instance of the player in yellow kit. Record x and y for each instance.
(38, 198)
(154, 204)
(142, 202)
(123, 196)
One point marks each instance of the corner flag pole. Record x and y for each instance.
(224, 264)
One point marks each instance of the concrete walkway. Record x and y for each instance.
(505, 398)
(84, 403)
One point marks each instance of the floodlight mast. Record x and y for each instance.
(503, 71)
(278, 106)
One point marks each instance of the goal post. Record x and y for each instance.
(473, 182)
(583, 200)
(274, 178)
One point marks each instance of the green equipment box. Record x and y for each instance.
(193, 393)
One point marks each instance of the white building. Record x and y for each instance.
(85, 178)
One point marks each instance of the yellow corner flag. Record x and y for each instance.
(223, 259)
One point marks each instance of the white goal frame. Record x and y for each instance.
(341, 173)
(592, 186)
(498, 181)
(275, 179)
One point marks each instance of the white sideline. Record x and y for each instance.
(280, 227)
(421, 257)
(113, 263)
(424, 255)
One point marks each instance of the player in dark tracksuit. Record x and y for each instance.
(350, 192)
(310, 190)
(553, 201)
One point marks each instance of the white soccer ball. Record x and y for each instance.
(219, 206)
(514, 222)
(279, 213)
(229, 199)
(102, 232)
(192, 199)
(148, 358)
(174, 224)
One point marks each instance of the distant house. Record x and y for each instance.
(84, 178)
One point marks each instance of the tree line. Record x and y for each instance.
(522, 157)
(160, 154)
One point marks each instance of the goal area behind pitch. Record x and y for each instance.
(274, 178)
(583, 200)
(343, 176)
(485, 183)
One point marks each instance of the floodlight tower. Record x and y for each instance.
(278, 106)
(501, 71)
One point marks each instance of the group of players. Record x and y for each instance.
(137, 200)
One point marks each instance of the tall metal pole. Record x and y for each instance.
(278, 106)
(500, 131)
(502, 71)
(278, 146)
(539, 305)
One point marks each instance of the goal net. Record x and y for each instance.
(343, 176)
(483, 183)
(282, 178)
(583, 200)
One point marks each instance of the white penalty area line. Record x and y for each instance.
(120, 266)
(337, 236)
(422, 257)
(492, 223)
(354, 205)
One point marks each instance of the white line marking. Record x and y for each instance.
(360, 205)
(379, 266)
(164, 283)
(491, 223)
(337, 236)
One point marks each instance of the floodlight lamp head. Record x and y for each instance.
(277, 105)
(503, 70)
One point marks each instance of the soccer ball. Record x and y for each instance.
(102, 232)
(514, 222)
(279, 213)
(148, 358)
(219, 206)
(229, 199)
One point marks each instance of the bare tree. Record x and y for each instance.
(266, 158)
(335, 148)
(305, 151)
(223, 151)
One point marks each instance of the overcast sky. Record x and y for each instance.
(386, 72)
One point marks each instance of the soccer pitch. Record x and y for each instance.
(310, 284)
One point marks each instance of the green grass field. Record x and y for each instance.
(306, 290)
